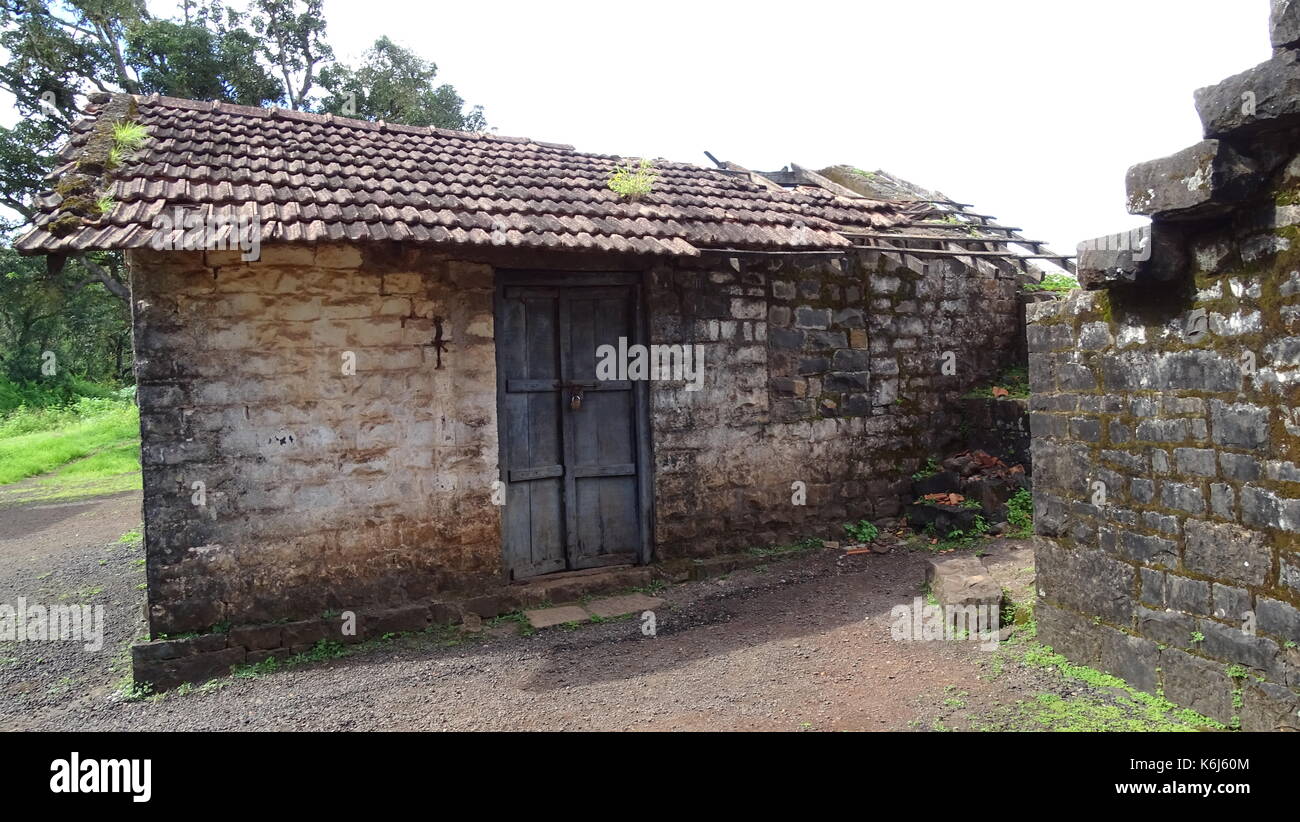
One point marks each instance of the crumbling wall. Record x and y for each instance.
(823, 371)
(304, 451)
(1166, 434)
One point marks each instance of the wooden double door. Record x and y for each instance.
(574, 448)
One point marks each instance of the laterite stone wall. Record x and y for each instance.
(322, 489)
(826, 371)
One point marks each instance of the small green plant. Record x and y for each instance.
(1197, 636)
(862, 531)
(1014, 381)
(128, 136)
(1057, 283)
(131, 691)
(105, 204)
(633, 182)
(131, 536)
(931, 468)
(805, 544)
(1020, 513)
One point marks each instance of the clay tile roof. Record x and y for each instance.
(314, 176)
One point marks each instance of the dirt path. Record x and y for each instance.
(800, 644)
(64, 553)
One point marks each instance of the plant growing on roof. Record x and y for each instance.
(633, 182)
(127, 137)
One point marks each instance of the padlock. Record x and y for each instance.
(575, 399)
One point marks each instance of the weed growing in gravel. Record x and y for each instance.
(805, 544)
(518, 617)
(131, 691)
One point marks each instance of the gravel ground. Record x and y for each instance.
(799, 644)
(64, 554)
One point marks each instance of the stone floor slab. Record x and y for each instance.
(560, 614)
(607, 607)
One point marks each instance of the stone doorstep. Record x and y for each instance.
(558, 615)
(605, 608)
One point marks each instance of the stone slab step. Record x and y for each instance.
(604, 608)
(626, 604)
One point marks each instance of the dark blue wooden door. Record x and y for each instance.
(573, 446)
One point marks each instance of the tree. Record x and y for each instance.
(53, 53)
(394, 84)
(292, 33)
(87, 329)
(204, 59)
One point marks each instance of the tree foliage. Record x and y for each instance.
(53, 53)
(397, 85)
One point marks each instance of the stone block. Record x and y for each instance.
(1143, 255)
(548, 617)
(1278, 618)
(1266, 706)
(1233, 645)
(1167, 627)
(1284, 24)
(961, 583)
(607, 607)
(1266, 96)
(1131, 658)
(256, 637)
(1204, 180)
(1239, 425)
(305, 632)
(394, 621)
(1198, 684)
(1226, 552)
(166, 674)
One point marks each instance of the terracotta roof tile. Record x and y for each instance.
(311, 177)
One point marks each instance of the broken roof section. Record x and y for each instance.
(313, 177)
(931, 224)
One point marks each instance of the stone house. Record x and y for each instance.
(403, 406)
(1166, 418)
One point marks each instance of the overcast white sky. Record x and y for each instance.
(1031, 109)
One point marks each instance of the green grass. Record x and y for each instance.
(1058, 283)
(1020, 513)
(129, 136)
(806, 544)
(110, 439)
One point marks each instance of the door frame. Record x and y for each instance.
(551, 278)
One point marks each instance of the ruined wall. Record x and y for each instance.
(820, 370)
(323, 490)
(1166, 434)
